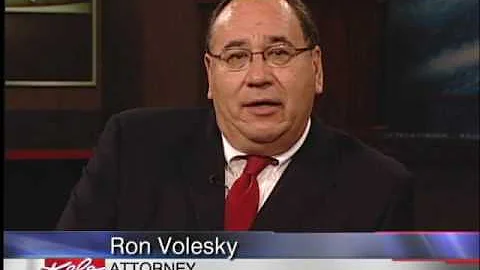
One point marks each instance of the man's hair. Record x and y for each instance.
(309, 29)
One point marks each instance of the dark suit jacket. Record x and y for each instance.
(157, 169)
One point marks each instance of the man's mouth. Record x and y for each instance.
(262, 102)
(263, 107)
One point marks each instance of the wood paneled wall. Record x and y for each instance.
(151, 55)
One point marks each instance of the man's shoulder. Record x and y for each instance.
(161, 115)
(359, 156)
(145, 125)
(371, 190)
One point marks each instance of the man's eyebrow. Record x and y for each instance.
(244, 42)
(235, 43)
(279, 39)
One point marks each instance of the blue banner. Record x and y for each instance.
(100, 244)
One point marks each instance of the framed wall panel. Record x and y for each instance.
(51, 43)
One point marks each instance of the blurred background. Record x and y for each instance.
(402, 75)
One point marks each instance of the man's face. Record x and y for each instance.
(262, 109)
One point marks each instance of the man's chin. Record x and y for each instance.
(264, 134)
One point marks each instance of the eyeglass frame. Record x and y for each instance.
(298, 51)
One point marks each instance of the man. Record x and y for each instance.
(258, 161)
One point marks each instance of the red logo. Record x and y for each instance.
(74, 264)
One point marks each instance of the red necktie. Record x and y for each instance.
(242, 200)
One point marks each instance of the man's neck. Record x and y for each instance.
(231, 151)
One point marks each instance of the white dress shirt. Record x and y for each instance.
(268, 178)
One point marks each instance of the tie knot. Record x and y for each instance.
(255, 164)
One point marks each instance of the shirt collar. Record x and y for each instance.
(230, 152)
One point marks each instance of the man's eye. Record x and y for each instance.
(236, 56)
(279, 52)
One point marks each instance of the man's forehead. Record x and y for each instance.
(237, 7)
(239, 21)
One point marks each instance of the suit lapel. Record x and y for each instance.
(302, 187)
(204, 172)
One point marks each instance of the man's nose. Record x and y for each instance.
(259, 73)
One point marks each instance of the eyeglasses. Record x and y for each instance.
(277, 56)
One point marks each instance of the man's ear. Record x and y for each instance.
(207, 61)
(318, 69)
